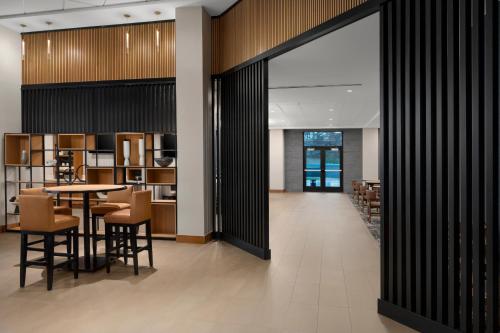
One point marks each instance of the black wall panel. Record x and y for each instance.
(244, 158)
(440, 157)
(106, 107)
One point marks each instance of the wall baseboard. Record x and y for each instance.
(277, 191)
(194, 239)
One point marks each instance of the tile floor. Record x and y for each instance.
(323, 277)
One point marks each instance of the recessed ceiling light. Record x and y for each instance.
(349, 90)
(331, 110)
(272, 111)
(23, 25)
(126, 15)
(157, 12)
(330, 119)
(48, 23)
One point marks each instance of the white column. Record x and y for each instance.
(194, 121)
(10, 95)
(370, 153)
(276, 160)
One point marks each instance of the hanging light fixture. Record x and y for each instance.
(127, 41)
(127, 35)
(157, 13)
(49, 23)
(23, 45)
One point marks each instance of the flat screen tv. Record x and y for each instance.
(169, 145)
(105, 143)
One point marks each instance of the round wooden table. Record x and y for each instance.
(99, 262)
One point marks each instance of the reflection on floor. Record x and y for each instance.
(323, 278)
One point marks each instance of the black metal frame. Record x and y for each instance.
(47, 260)
(323, 187)
(121, 242)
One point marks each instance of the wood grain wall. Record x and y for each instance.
(252, 27)
(99, 54)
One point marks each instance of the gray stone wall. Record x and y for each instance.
(294, 159)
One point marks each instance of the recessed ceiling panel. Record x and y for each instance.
(345, 66)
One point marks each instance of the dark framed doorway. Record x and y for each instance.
(439, 159)
(323, 161)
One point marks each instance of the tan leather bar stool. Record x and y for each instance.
(131, 218)
(115, 201)
(59, 210)
(37, 218)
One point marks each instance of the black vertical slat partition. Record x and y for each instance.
(244, 159)
(440, 157)
(143, 106)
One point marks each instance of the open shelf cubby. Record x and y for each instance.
(15, 144)
(71, 141)
(161, 176)
(134, 148)
(100, 176)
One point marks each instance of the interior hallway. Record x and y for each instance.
(323, 277)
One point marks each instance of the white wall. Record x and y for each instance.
(276, 160)
(194, 128)
(10, 93)
(370, 153)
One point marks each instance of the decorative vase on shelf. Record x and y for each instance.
(24, 157)
(141, 152)
(126, 152)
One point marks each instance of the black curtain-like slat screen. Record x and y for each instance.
(440, 157)
(244, 159)
(100, 108)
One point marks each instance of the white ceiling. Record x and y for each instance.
(66, 14)
(344, 57)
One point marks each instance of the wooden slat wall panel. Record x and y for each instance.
(252, 27)
(99, 54)
(439, 113)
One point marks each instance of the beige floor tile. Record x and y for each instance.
(323, 277)
(334, 319)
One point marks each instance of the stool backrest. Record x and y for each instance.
(34, 191)
(362, 189)
(371, 195)
(140, 208)
(36, 212)
(124, 196)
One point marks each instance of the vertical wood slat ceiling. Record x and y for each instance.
(252, 27)
(99, 54)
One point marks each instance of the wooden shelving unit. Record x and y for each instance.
(151, 176)
(91, 166)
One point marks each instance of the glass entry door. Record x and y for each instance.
(323, 169)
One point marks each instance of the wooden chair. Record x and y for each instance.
(59, 210)
(361, 195)
(116, 200)
(355, 189)
(129, 219)
(373, 202)
(37, 218)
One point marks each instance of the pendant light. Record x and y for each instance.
(49, 46)
(127, 35)
(23, 45)
(157, 32)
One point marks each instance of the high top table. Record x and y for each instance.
(100, 262)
